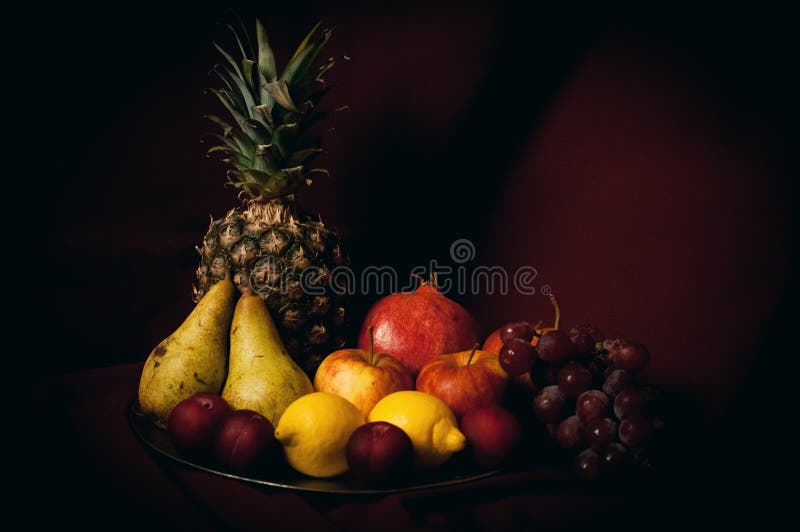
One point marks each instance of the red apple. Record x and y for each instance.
(492, 433)
(417, 326)
(378, 452)
(244, 441)
(362, 377)
(465, 381)
(194, 422)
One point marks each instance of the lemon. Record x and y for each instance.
(429, 423)
(314, 431)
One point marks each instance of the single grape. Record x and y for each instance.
(569, 433)
(616, 381)
(592, 404)
(554, 346)
(630, 356)
(517, 329)
(582, 338)
(517, 356)
(635, 432)
(614, 457)
(588, 464)
(630, 402)
(600, 432)
(574, 379)
(549, 406)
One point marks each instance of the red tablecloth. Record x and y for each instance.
(101, 474)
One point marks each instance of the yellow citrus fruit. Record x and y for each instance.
(314, 431)
(429, 423)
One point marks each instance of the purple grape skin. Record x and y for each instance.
(549, 406)
(592, 404)
(630, 402)
(517, 329)
(582, 338)
(635, 432)
(569, 433)
(517, 356)
(587, 464)
(600, 432)
(613, 457)
(630, 356)
(554, 346)
(616, 381)
(574, 379)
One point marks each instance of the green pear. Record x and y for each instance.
(192, 359)
(262, 376)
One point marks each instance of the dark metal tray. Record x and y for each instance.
(460, 469)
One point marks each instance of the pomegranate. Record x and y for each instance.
(415, 327)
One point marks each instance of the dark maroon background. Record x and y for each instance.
(637, 160)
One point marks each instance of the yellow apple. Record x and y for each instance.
(362, 377)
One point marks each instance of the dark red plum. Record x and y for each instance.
(245, 441)
(194, 422)
(379, 452)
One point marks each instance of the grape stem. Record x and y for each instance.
(554, 301)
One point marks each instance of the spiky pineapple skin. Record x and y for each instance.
(266, 248)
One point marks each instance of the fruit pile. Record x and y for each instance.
(260, 365)
(368, 413)
(585, 392)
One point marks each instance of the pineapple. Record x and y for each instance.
(266, 245)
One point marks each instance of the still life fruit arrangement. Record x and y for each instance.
(260, 373)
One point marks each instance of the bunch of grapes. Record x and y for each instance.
(587, 394)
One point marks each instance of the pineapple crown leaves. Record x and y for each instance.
(268, 144)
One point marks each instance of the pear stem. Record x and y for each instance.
(371, 344)
(474, 348)
(554, 301)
